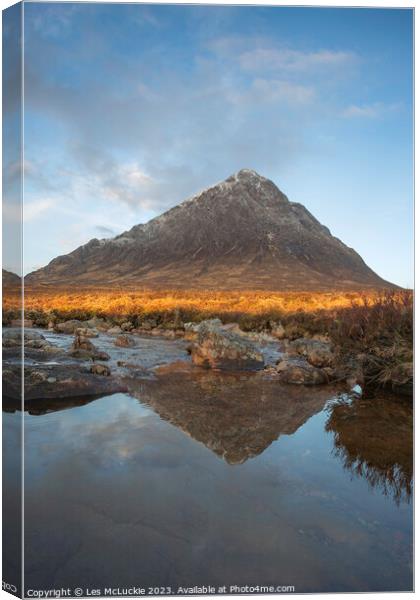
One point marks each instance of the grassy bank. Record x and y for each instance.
(371, 331)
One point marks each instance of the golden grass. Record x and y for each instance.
(192, 302)
(122, 303)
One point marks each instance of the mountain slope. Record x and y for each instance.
(242, 233)
(10, 280)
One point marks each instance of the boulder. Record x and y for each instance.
(98, 369)
(97, 323)
(277, 330)
(148, 324)
(83, 343)
(127, 326)
(219, 348)
(84, 349)
(87, 332)
(125, 341)
(68, 326)
(31, 339)
(191, 327)
(300, 372)
(115, 330)
(81, 354)
(317, 353)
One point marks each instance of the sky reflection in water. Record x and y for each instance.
(192, 486)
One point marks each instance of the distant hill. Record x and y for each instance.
(242, 233)
(10, 279)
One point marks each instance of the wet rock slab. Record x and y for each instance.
(58, 381)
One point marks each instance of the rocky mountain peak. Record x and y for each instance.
(242, 233)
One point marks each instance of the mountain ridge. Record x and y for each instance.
(242, 233)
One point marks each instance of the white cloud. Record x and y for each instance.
(278, 91)
(12, 210)
(262, 59)
(369, 111)
(32, 210)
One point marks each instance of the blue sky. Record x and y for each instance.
(129, 109)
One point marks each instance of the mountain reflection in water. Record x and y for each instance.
(374, 439)
(197, 476)
(237, 416)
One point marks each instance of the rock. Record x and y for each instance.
(68, 326)
(219, 348)
(38, 376)
(191, 327)
(401, 377)
(330, 372)
(97, 323)
(101, 355)
(149, 324)
(277, 330)
(115, 330)
(125, 341)
(81, 354)
(321, 337)
(84, 349)
(70, 381)
(317, 353)
(260, 337)
(209, 324)
(50, 325)
(87, 332)
(32, 339)
(98, 369)
(83, 343)
(300, 372)
(127, 326)
(233, 327)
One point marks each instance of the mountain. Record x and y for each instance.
(10, 280)
(242, 233)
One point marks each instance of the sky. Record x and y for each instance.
(130, 109)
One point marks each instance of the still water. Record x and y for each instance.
(200, 478)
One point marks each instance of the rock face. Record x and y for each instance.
(220, 348)
(243, 232)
